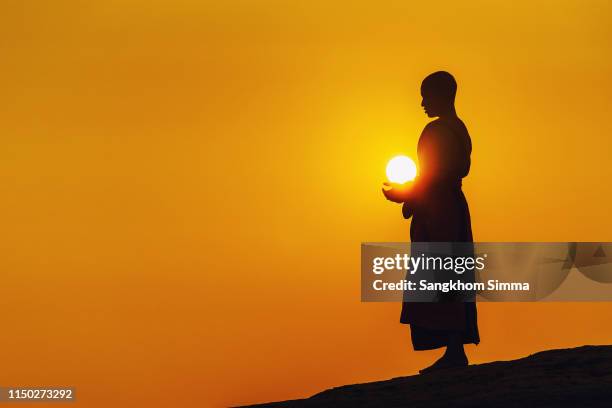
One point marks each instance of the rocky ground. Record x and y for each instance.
(579, 377)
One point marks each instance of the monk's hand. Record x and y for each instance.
(398, 193)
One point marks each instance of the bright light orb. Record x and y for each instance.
(401, 169)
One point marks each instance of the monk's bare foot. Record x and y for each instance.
(445, 362)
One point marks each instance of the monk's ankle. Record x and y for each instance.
(455, 354)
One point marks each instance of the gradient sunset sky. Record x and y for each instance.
(186, 184)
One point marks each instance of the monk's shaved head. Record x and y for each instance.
(438, 91)
(440, 84)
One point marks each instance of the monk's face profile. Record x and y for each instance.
(432, 105)
(438, 91)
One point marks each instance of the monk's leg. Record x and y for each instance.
(453, 357)
(454, 349)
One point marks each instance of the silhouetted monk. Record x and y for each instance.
(440, 213)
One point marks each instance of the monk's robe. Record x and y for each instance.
(440, 213)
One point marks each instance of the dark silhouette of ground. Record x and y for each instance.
(579, 377)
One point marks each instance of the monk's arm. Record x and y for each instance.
(435, 152)
(407, 210)
(433, 157)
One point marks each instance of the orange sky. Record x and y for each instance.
(186, 184)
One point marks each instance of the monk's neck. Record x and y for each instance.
(448, 113)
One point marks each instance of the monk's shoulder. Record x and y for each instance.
(435, 129)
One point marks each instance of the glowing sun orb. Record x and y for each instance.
(401, 169)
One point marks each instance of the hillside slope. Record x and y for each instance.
(579, 377)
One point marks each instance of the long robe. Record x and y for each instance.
(440, 213)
